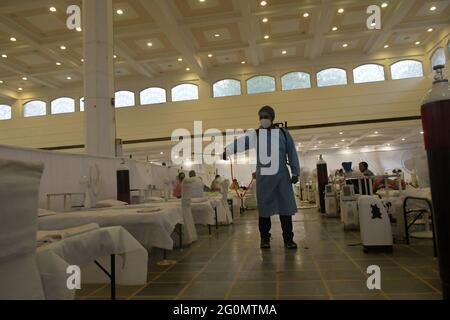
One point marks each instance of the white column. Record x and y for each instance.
(99, 77)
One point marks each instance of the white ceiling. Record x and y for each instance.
(364, 137)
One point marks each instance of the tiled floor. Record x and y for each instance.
(329, 264)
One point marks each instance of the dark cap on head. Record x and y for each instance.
(267, 111)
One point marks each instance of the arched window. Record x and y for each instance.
(34, 109)
(124, 99)
(226, 88)
(82, 104)
(406, 69)
(5, 112)
(368, 73)
(331, 77)
(295, 80)
(260, 84)
(62, 105)
(438, 57)
(153, 96)
(185, 92)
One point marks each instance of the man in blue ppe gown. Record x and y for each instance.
(274, 190)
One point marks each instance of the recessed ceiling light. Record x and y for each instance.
(306, 15)
(376, 132)
(417, 43)
(188, 69)
(421, 132)
(82, 60)
(20, 89)
(384, 5)
(1, 81)
(149, 44)
(433, 8)
(283, 52)
(263, 3)
(119, 11)
(52, 9)
(63, 47)
(341, 10)
(180, 59)
(201, 0)
(345, 45)
(4, 56)
(24, 78)
(341, 133)
(265, 20)
(403, 139)
(334, 28)
(243, 62)
(78, 29)
(69, 78)
(386, 46)
(266, 36)
(161, 153)
(114, 56)
(217, 35)
(430, 30)
(210, 55)
(388, 144)
(343, 140)
(13, 39)
(58, 63)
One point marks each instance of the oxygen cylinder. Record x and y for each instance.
(435, 119)
(322, 181)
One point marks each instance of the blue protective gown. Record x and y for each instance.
(274, 193)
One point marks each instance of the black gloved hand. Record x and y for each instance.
(294, 179)
(224, 156)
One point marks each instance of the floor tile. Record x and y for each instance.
(206, 289)
(162, 289)
(303, 288)
(254, 289)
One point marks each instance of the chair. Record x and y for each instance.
(224, 190)
(189, 232)
(19, 192)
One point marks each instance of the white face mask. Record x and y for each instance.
(265, 123)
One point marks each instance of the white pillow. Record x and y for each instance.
(199, 200)
(45, 212)
(109, 203)
(154, 199)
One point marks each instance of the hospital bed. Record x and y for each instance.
(151, 229)
(103, 254)
(410, 207)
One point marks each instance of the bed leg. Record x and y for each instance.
(113, 277)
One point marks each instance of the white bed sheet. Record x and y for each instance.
(81, 250)
(150, 229)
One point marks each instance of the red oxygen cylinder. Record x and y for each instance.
(436, 119)
(322, 181)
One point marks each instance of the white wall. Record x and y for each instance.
(299, 107)
(62, 173)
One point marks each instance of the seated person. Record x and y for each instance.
(235, 185)
(364, 169)
(197, 187)
(177, 187)
(216, 184)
